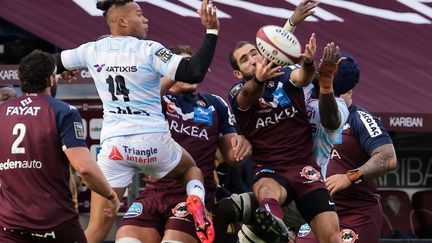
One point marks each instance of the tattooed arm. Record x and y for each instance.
(383, 160)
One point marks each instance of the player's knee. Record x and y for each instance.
(127, 240)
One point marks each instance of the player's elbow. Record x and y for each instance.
(392, 162)
(84, 170)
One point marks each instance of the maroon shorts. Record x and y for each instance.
(303, 178)
(362, 225)
(68, 232)
(162, 210)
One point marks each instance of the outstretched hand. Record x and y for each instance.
(310, 50)
(302, 11)
(266, 70)
(208, 15)
(69, 75)
(328, 67)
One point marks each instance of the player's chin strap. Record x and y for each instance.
(242, 203)
(127, 240)
(171, 241)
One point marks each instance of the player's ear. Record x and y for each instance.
(238, 74)
(51, 80)
(122, 22)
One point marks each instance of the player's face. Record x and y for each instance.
(53, 82)
(137, 23)
(347, 98)
(247, 58)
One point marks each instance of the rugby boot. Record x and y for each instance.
(272, 224)
(203, 221)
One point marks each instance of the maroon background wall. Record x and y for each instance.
(390, 40)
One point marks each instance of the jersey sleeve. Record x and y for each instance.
(369, 131)
(70, 127)
(234, 92)
(343, 111)
(75, 58)
(226, 118)
(287, 74)
(163, 61)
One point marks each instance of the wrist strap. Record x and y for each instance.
(212, 31)
(289, 26)
(355, 176)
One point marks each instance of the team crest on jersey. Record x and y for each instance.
(79, 130)
(115, 154)
(236, 90)
(164, 54)
(310, 173)
(348, 235)
(304, 230)
(134, 210)
(180, 210)
(271, 84)
(201, 103)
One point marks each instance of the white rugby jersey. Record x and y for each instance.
(323, 139)
(126, 72)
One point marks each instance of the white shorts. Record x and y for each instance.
(154, 154)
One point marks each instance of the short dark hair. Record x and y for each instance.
(237, 46)
(104, 5)
(181, 49)
(35, 70)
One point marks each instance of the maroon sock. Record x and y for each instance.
(272, 206)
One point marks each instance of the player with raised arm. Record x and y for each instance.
(365, 153)
(200, 123)
(268, 103)
(327, 116)
(41, 136)
(126, 70)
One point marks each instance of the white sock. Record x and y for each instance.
(195, 187)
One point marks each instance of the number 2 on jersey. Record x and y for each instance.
(119, 88)
(20, 130)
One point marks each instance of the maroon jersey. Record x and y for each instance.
(34, 170)
(196, 122)
(362, 134)
(277, 125)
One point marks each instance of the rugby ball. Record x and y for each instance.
(278, 45)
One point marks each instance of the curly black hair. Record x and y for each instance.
(104, 5)
(34, 71)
